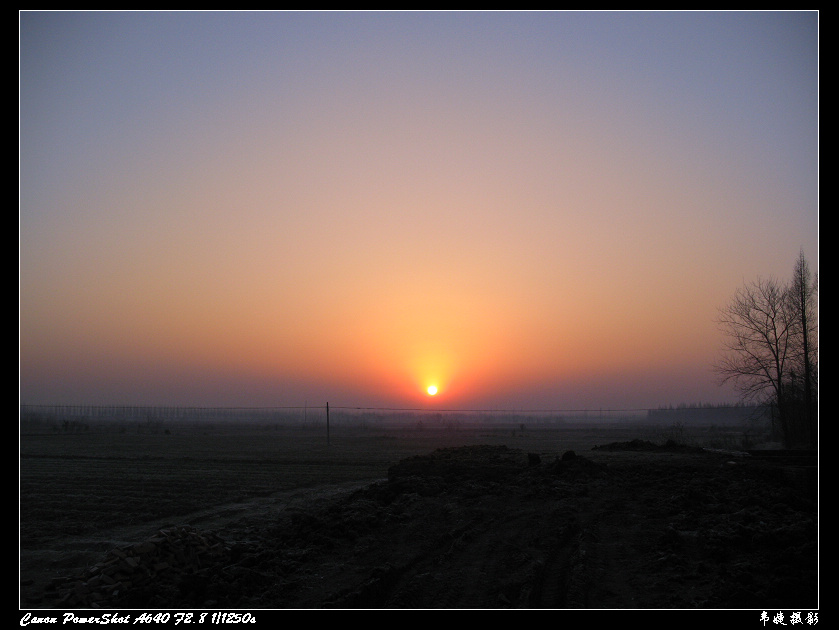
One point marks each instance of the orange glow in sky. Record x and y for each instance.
(538, 210)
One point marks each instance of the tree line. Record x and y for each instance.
(770, 351)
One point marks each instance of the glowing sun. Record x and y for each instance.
(432, 390)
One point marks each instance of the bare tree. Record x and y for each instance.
(802, 390)
(768, 353)
(756, 346)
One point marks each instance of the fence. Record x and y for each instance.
(80, 416)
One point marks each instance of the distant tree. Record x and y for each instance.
(802, 389)
(770, 350)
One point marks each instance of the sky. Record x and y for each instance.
(527, 210)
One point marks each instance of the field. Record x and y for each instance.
(464, 517)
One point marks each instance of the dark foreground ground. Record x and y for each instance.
(628, 525)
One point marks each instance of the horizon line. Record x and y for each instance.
(403, 409)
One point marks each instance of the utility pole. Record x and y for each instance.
(327, 423)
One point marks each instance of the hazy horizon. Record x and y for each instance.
(539, 210)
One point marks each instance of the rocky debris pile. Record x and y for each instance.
(173, 559)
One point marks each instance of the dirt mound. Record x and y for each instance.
(487, 463)
(494, 527)
(671, 446)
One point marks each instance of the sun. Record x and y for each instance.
(432, 390)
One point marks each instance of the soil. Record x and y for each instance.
(627, 525)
